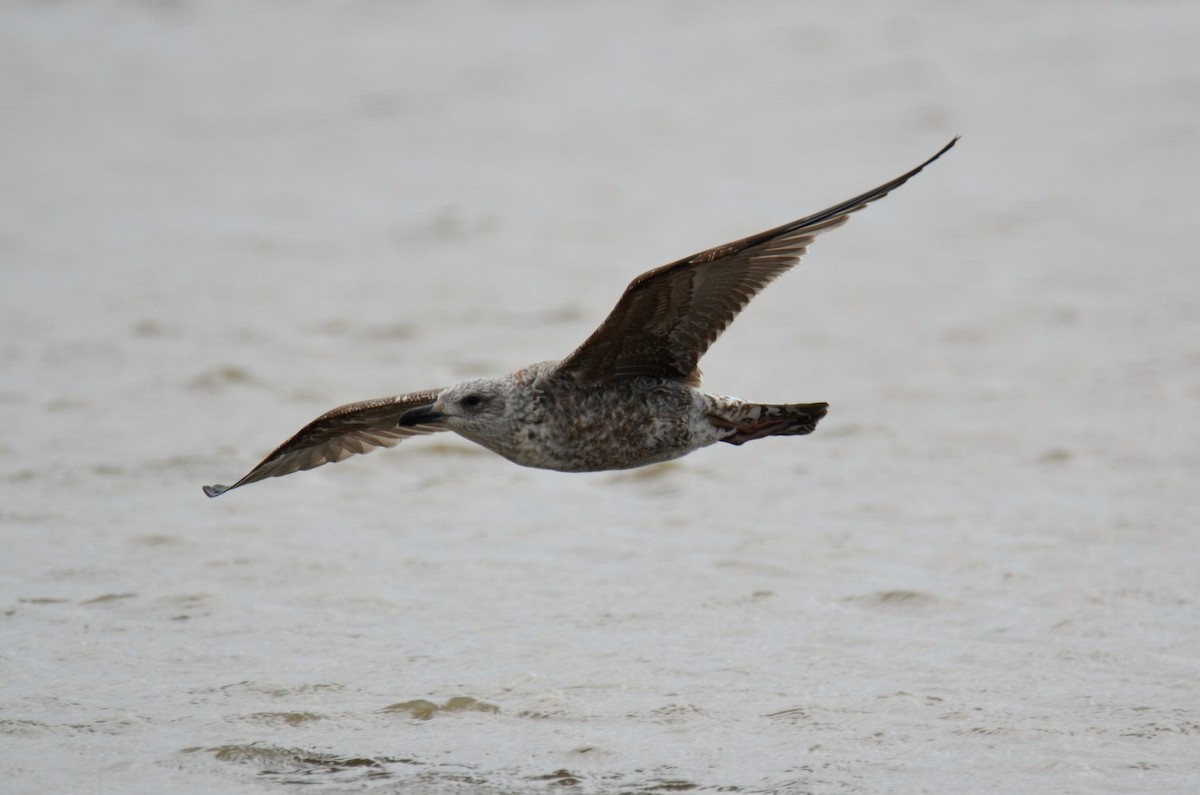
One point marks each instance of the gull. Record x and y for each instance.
(627, 397)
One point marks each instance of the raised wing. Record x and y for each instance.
(338, 434)
(668, 317)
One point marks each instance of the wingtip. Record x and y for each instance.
(215, 491)
(942, 151)
(901, 180)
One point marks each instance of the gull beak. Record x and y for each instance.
(423, 415)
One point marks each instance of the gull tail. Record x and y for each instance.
(749, 421)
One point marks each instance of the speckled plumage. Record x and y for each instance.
(627, 397)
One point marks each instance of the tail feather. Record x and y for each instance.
(757, 420)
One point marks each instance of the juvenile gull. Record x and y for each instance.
(627, 397)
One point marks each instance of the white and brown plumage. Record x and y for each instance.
(627, 397)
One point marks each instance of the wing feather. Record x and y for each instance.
(353, 429)
(668, 317)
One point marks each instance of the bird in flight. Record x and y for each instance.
(627, 397)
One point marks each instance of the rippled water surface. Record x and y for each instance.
(220, 220)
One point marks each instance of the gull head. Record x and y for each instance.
(479, 409)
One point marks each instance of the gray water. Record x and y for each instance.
(979, 575)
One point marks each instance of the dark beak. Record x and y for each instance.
(424, 415)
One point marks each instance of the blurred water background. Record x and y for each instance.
(220, 219)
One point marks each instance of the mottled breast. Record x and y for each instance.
(615, 425)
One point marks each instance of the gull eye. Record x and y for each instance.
(472, 401)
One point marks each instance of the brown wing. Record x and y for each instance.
(345, 431)
(668, 317)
